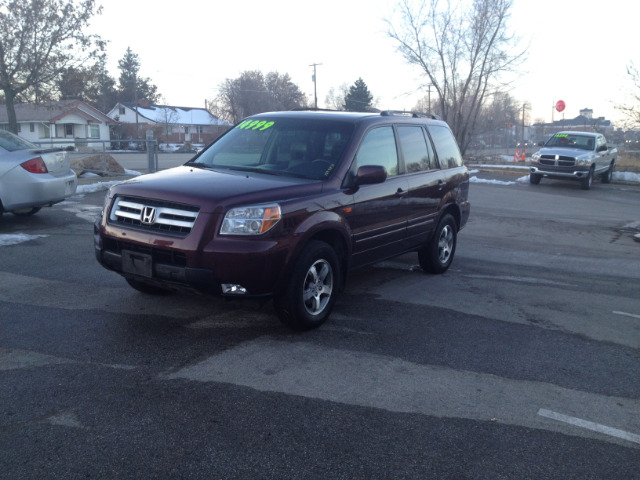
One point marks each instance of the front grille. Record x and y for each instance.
(561, 161)
(166, 217)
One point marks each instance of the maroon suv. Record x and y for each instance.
(285, 204)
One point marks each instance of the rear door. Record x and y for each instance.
(425, 180)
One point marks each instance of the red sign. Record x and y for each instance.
(560, 105)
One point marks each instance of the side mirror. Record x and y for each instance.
(370, 174)
(602, 148)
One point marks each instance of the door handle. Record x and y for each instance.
(401, 193)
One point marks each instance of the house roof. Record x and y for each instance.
(52, 112)
(176, 115)
(580, 121)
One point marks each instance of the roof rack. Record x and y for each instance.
(389, 113)
(312, 109)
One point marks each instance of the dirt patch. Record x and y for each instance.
(98, 164)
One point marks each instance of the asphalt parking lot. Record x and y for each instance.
(520, 362)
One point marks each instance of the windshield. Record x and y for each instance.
(11, 142)
(571, 140)
(281, 146)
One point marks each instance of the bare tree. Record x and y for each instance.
(463, 51)
(39, 41)
(253, 93)
(632, 110)
(336, 97)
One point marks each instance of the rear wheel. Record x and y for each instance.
(534, 178)
(26, 212)
(436, 257)
(311, 293)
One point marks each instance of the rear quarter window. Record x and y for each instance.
(446, 146)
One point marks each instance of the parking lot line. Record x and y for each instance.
(596, 427)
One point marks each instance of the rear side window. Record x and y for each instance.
(413, 144)
(446, 146)
(379, 148)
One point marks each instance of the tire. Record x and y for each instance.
(606, 176)
(534, 178)
(586, 182)
(26, 212)
(437, 255)
(146, 288)
(313, 287)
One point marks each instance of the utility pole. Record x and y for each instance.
(315, 91)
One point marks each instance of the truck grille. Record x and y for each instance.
(167, 217)
(562, 161)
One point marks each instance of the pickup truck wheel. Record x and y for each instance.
(606, 176)
(587, 181)
(438, 254)
(534, 178)
(311, 292)
(146, 288)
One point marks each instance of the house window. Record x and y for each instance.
(94, 130)
(32, 127)
(186, 129)
(121, 111)
(68, 129)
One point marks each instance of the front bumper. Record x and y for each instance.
(256, 266)
(572, 173)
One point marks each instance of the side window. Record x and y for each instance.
(446, 146)
(414, 149)
(379, 148)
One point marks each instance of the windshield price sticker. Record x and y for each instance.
(255, 125)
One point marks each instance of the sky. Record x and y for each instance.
(578, 51)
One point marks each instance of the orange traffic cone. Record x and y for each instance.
(524, 151)
(516, 156)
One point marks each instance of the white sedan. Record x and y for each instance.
(32, 177)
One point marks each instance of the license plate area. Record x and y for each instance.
(137, 263)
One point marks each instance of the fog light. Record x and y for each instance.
(232, 289)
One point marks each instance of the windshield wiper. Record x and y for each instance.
(196, 164)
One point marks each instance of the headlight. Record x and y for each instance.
(535, 158)
(252, 220)
(583, 161)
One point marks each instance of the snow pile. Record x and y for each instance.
(16, 238)
(626, 177)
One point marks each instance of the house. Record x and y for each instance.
(61, 123)
(169, 124)
(585, 122)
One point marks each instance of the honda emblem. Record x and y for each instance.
(148, 216)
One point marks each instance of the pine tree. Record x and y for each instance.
(359, 98)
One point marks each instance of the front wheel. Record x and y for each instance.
(437, 255)
(606, 176)
(535, 178)
(311, 293)
(587, 181)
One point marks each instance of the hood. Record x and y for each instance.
(564, 152)
(212, 189)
